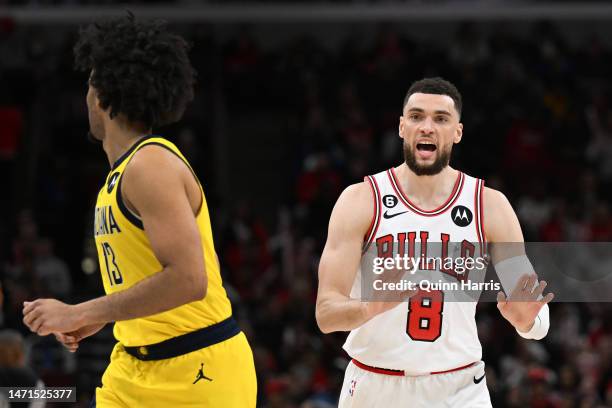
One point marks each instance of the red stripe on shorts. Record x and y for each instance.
(400, 372)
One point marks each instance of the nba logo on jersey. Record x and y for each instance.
(352, 388)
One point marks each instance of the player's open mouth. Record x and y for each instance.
(428, 147)
(425, 150)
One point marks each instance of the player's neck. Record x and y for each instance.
(427, 191)
(118, 141)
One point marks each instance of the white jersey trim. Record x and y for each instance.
(369, 236)
(479, 210)
(404, 199)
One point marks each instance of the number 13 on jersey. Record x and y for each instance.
(112, 269)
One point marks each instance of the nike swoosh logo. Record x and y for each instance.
(478, 380)
(387, 216)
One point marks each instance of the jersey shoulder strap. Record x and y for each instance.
(124, 160)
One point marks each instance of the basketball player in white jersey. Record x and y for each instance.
(423, 351)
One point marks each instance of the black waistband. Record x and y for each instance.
(187, 343)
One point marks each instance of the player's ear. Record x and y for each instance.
(99, 106)
(458, 133)
(401, 127)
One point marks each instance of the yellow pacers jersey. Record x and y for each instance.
(126, 258)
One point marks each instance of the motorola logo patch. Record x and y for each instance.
(390, 201)
(112, 181)
(461, 216)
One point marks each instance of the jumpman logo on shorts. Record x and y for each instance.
(201, 375)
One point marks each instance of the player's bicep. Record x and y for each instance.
(348, 224)
(171, 227)
(502, 227)
(155, 188)
(508, 248)
(338, 265)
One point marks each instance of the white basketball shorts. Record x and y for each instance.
(366, 387)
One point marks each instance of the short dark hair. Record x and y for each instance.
(139, 69)
(436, 86)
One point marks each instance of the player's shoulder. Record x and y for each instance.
(493, 196)
(154, 170)
(356, 197)
(357, 191)
(496, 204)
(156, 159)
(355, 205)
(500, 220)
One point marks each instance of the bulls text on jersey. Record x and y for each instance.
(386, 249)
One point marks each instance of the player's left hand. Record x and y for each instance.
(522, 306)
(46, 316)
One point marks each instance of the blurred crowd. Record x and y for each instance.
(538, 126)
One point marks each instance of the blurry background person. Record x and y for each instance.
(13, 369)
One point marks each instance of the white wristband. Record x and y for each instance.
(540, 326)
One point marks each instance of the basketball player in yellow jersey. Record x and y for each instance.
(178, 345)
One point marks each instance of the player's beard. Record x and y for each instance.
(442, 159)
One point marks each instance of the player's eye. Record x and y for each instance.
(414, 116)
(441, 119)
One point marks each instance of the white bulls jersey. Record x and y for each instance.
(426, 334)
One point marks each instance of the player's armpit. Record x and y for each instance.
(349, 222)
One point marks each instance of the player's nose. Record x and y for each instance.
(426, 126)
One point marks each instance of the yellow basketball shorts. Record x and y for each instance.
(221, 375)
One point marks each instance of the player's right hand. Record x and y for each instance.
(385, 300)
(71, 340)
(68, 341)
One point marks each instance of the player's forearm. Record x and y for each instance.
(158, 293)
(340, 314)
